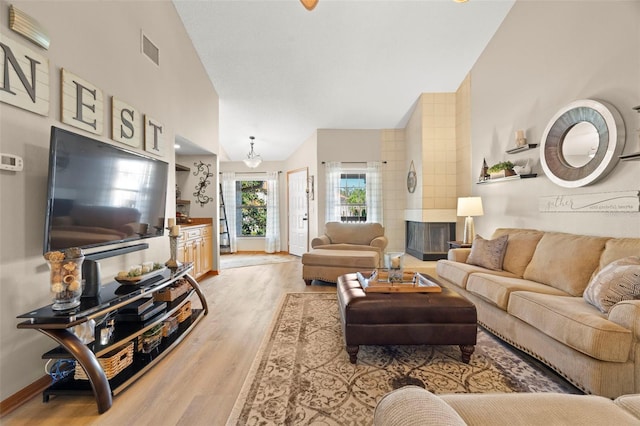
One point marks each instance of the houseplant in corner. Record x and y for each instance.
(501, 170)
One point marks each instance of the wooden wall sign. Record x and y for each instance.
(82, 103)
(618, 202)
(153, 136)
(25, 83)
(24, 77)
(126, 123)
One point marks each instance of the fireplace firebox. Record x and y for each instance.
(429, 240)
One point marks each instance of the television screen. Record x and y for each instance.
(100, 194)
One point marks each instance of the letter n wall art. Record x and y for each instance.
(24, 77)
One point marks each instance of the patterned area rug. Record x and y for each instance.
(302, 374)
(239, 260)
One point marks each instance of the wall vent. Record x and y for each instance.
(150, 50)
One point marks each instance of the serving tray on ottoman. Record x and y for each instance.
(412, 282)
(397, 318)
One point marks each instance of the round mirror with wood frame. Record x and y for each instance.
(607, 144)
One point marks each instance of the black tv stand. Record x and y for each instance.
(58, 325)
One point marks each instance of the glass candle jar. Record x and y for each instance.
(393, 262)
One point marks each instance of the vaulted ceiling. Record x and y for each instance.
(282, 71)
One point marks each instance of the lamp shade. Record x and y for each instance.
(470, 206)
(253, 160)
(252, 163)
(309, 4)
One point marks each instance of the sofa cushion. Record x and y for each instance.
(631, 403)
(496, 289)
(573, 322)
(539, 408)
(488, 253)
(414, 406)
(565, 261)
(458, 273)
(619, 280)
(617, 248)
(520, 248)
(353, 233)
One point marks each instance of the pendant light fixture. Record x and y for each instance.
(309, 4)
(253, 160)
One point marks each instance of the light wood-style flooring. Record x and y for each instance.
(199, 381)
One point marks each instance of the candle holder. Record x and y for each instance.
(173, 262)
(521, 140)
(394, 264)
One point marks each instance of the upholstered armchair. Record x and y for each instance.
(344, 248)
(352, 236)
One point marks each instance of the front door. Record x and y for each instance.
(298, 211)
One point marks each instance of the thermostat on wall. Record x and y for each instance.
(10, 162)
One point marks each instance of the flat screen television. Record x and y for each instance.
(100, 194)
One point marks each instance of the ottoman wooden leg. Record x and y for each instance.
(353, 353)
(307, 282)
(467, 350)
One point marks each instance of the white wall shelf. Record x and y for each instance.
(630, 157)
(521, 148)
(516, 177)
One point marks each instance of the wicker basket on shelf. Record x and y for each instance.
(184, 312)
(112, 364)
(150, 339)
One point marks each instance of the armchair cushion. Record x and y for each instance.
(414, 406)
(338, 235)
(353, 233)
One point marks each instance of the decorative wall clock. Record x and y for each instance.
(412, 179)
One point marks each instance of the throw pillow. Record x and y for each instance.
(488, 253)
(619, 280)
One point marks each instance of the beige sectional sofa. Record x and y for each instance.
(534, 301)
(412, 405)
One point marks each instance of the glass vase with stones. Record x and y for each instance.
(393, 263)
(65, 281)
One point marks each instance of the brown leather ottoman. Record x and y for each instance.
(444, 318)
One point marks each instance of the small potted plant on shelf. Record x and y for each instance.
(501, 170)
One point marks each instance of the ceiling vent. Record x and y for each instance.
(150, 50)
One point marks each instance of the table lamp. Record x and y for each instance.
(469, 207)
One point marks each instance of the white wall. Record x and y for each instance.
(544, 56)
(100, 42)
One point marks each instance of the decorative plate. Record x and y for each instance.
(137, 279)
(412, 179)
